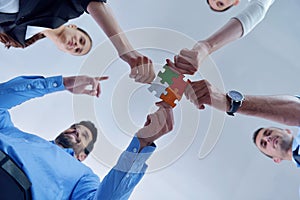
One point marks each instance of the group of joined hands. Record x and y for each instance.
(142, 70)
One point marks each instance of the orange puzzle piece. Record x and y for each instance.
(169, 98)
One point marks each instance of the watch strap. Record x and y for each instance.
(234, 106)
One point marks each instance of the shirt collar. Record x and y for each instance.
(296, 143)
(67, 150)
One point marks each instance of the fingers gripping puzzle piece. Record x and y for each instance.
(158, 88)
(169, 86)
(169, 98)
(167, 75)
(179, 86)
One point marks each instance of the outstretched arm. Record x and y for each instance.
(157, 124)
(123, 178)
(282, 108)
(24, 88)
(189, 60)
(141, 66)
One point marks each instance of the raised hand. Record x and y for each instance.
(189, 60)
(141, 67)
(202, 92)
(157, 124)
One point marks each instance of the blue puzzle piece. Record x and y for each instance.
(158, 88)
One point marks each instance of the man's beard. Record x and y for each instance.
(64, 141)
(68, 142)
(285, 144)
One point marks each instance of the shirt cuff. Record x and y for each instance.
(133, 161)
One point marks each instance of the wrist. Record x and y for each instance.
(66, 81)
(143, 142)
(204, 45)
(128, 55)
(235, 99)
(121, 43)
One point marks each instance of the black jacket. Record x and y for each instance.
(43, 13)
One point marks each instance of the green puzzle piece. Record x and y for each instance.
(167, 75)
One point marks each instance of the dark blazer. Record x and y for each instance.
(43, 13)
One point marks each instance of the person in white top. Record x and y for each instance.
(189, 60)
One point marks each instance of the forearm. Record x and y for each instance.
(282, 109)
(126, 174)
(104, 17)
(231, 31)
(239, 26)
(24, 88)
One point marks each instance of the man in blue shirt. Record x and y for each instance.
(279, 144)
(54, 168)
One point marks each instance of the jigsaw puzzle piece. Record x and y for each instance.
(178, 86)
(169, 98)
(157, 81)
(158, 88)
(167, 75)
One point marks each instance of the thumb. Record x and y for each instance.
(101, 78)
(170, 63)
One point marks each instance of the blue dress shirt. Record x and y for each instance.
(53, 172)
(296, 143)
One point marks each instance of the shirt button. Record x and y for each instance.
(29, 86)
(127, 175)
(54, 84)
(134, 150)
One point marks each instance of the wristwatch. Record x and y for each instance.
(236, 99)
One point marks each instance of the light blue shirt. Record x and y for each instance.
(296, 143)
(54, 173)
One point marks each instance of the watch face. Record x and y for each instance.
(235, 95)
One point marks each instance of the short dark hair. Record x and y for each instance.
(218, 10)
(254, 140)
(86, 33)
(90, 125)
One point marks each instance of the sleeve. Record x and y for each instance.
(129, 170)
(85, 3)
(253, 14)
(24, 88)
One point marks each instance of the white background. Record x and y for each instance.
(265, 62)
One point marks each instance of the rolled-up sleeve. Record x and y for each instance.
(253, 14)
